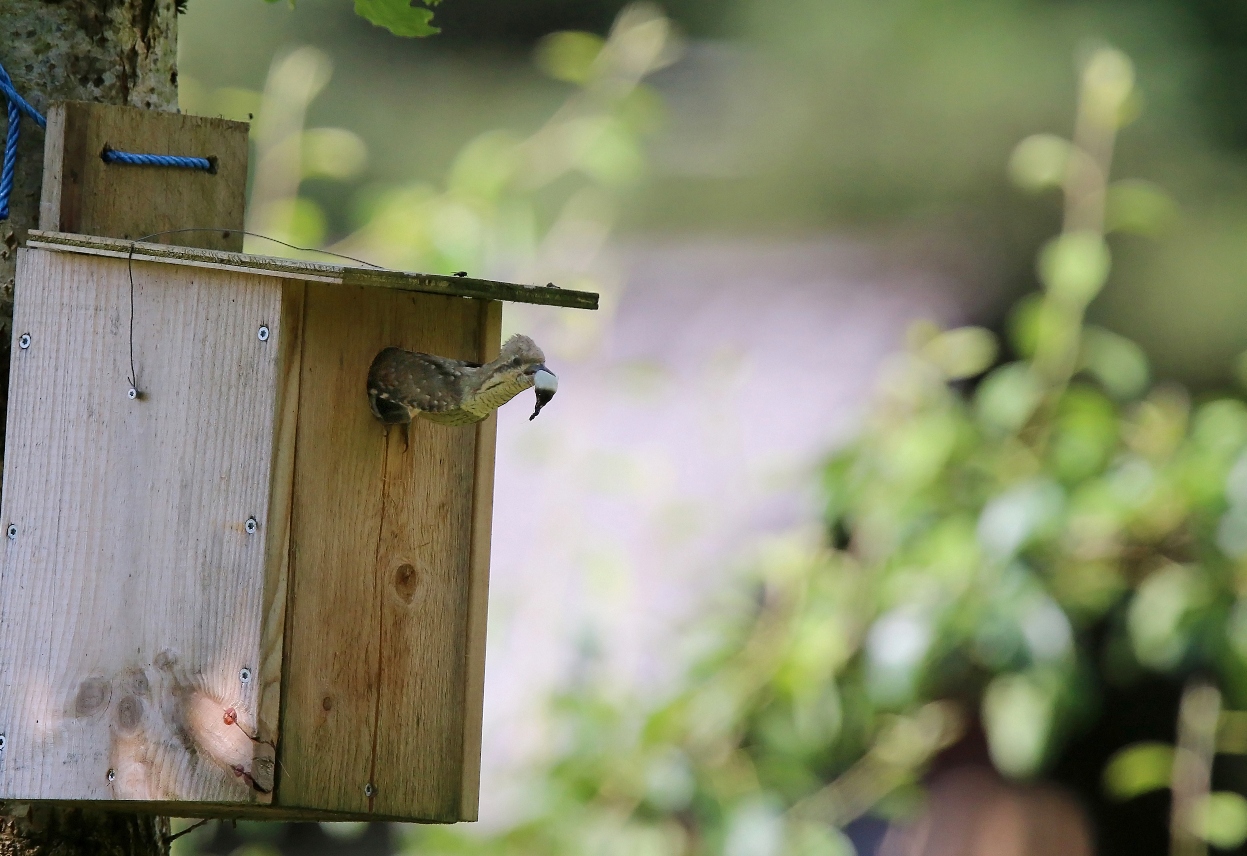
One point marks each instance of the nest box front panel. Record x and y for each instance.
(390, 537)
(132, 578)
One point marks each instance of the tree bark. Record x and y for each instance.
(53, 831)
(113, 52)
(108, 51)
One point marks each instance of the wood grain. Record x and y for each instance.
(277, 528)
(329, 690)
(132, 597)
(315, 272)
(425, 576)
(380, 578)
(85, 195)
(489, 341)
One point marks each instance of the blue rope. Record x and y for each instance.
(17, 106)
(114, 156)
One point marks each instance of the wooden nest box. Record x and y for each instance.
(234, 594)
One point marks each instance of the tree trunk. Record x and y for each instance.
(81, 832)
(113, 52)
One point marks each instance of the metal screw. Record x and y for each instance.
(244, 675)
(132, 394)
(112, 774)
(12, 532)
(251, 526)
(263, 334)
(24, 342)
(369, 790)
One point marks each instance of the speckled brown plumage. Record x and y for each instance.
(405, 384)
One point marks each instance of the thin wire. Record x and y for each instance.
(134, 383)
(175, 836)
(133, 378)
(262, 237)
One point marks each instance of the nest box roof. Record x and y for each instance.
(313, 271)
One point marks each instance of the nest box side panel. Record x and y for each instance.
(373, 705)
(489, 342)
(131, 584)
(83, 194)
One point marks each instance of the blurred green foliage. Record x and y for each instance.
(989, 515)
(988, 518)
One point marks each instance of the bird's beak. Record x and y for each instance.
(545, 384)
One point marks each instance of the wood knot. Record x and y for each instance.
(129, 713)
(406, 582)
(135, 682)
(94, 693)
(327, 703)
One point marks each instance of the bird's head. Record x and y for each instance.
(521, 360)
(520, 357)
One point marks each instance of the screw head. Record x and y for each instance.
(251, 526)
(112, 774)
(132, 394)
(369, 790)
(3, 742)
(24, 342)
(12, 532)
(244, 675)
(263, 333)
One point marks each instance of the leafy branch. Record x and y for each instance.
(401, 17)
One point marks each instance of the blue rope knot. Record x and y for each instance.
(17, 106)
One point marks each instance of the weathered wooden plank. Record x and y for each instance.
(83, 194)
(188, 256)
(315, 272)
(424, 567)
(372, 703)
(468, 287)
(132, 597)
(488, 344)
(332, 652)
(277, 527)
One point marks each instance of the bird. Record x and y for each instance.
(405, 384)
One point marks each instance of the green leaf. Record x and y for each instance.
(1221, 819)
(1138, 769)
(569, 55)
(400, 17)
(1075, 266)
(1040, 162)
(1007, 397)
(1139, 207)
(1116, 362)
(1018, 712)
(963, 352)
